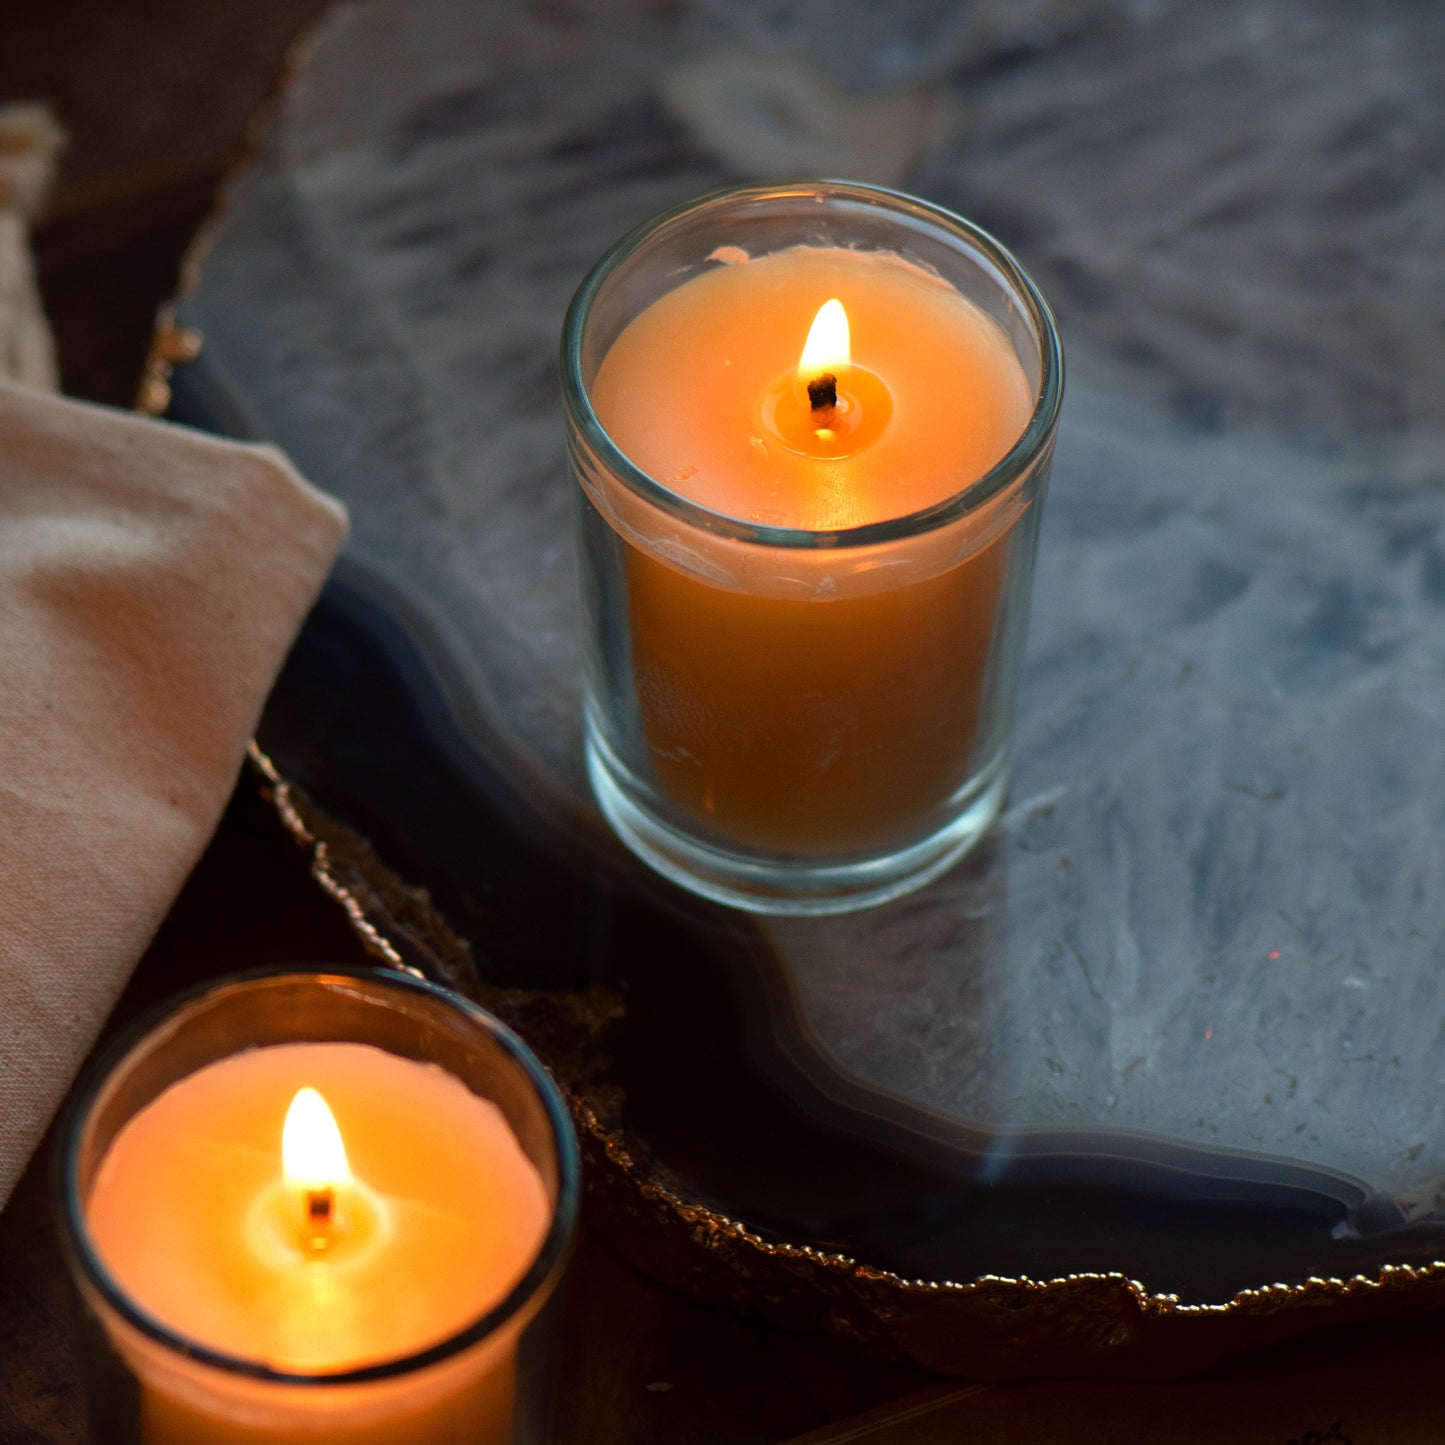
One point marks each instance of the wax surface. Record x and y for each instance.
(813, 704)
(682, 389)
(180, 1209)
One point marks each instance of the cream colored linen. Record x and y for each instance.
(30, 141)
(151, 582)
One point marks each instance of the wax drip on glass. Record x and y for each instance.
(828, 407)
(313, 1159)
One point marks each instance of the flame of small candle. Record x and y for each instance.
(312, 1154)
(826, 354)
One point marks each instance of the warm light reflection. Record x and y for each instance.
(826, 349)
(312, 1154)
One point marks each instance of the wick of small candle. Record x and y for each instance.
(319, 1205)
(823, 392)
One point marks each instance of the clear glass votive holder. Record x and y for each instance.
(488, 1381)
(789, 720)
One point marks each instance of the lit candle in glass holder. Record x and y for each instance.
(812, 427)
(321, 1238)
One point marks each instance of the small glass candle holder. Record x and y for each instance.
(805, 582)
(221, 1302)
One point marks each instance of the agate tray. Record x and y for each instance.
(1157, 1072)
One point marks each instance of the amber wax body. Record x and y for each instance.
(806, 570)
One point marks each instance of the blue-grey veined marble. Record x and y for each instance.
(1213, 908)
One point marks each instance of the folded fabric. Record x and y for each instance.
(151, 581)
(30, 140)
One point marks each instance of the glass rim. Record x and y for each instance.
(87, 1265)
(1016, 463)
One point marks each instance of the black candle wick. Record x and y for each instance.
(823, 392)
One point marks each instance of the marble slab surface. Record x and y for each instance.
(1210, 914)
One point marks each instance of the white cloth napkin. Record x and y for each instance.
(151, 581)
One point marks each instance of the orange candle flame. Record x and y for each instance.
(314, 1161)
(312, 1154)
(826, 351)
(826, 408)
